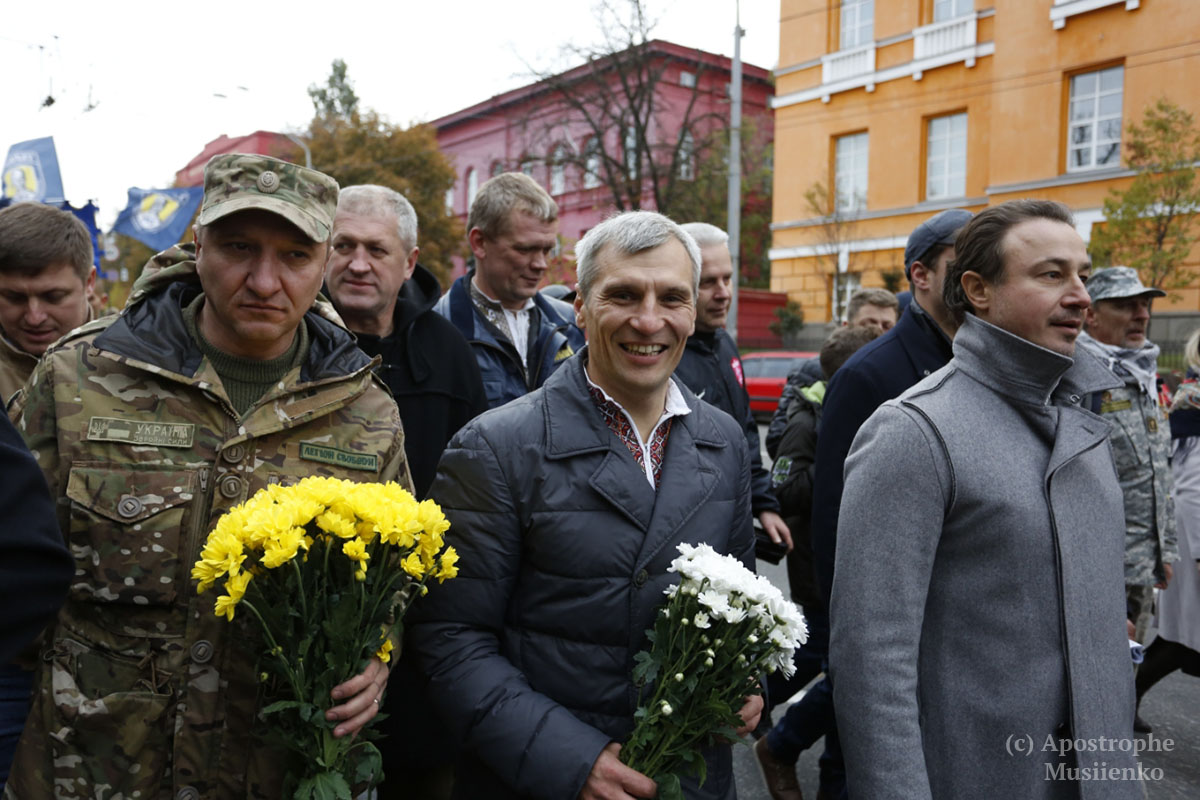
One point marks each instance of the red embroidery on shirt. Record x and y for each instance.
(619, 424)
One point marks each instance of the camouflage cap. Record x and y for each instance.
(236, 182)
(1114, 283)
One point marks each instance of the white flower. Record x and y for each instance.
(714, 601)
(701, 620)
(734, 615)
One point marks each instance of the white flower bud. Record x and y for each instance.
(684, 622)
(666, 709)
(679, 677)
(708, 662)
(752, 639)
(741, 658)
(718, 643)
(709, 652)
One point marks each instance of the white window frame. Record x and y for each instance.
(558, 171)
(850, 172)
(1085, 119)
(940, 137)
(629, 152)
(591, 163)
(472, 186)
(848, 284)
(856, 23)
(687, 79)
(944, 10)
(687, 157)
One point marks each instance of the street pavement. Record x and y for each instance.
(1172, 707)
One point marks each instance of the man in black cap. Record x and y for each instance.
(918, 345)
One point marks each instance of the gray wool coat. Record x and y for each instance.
(563, 555)
(978, 609)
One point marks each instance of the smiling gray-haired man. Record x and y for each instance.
(566, 507)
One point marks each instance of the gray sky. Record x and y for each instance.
(153, 70)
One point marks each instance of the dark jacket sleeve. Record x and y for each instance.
(762, 498)
(850, 399)
(35, 567)
(534, 744)
(805, 373)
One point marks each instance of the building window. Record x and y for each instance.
(850, 173)
(558, 170)
(631, 153)
(527, 167)
(848, 284)
(687, 79)
(952, 9)
(1094, 127)
(946, 157)
(687, 157)
(472, 186)
(857, 23)
(450, 201)
(497, 169)
(591, 163)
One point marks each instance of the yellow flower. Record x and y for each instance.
(282, 547)
(340, 525)
(447, 566)
(356, 550)
(412, 565)
(384, 653)
(225, 606)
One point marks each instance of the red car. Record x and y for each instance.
(766, 373)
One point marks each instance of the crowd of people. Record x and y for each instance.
(973, 482)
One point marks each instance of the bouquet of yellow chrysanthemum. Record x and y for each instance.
(326, 568)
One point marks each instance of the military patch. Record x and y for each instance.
(565, 352)
(339, 458)
(1117, 405)
(780, 471)
(1152, 424)
(131, 431)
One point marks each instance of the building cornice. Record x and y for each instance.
(1070, 179)
(932, 206)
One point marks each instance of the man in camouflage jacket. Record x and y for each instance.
(1141, 439)
(149, 426)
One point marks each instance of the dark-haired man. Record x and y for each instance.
(978, 598)
(46, 274)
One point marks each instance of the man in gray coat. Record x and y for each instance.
(978, 644)
(566, 507)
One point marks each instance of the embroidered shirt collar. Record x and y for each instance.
(649, 455)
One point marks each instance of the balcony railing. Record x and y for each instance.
(944, 37)
(847, 64)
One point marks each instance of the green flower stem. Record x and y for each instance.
(276, 650)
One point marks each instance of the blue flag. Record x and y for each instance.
(31, 172)
(158, 217)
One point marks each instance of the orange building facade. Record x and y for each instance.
(903, 108)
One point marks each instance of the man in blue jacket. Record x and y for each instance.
(566, 508)
(519, 336)
(918, 345)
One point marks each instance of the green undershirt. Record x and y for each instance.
(245, 380)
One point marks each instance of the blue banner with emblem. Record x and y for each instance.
(31, 173)
(158, 217)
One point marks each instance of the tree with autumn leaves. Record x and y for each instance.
(1150, 224)
(355, 145)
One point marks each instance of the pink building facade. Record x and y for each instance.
(532, 129)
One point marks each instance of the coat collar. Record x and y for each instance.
(1024, 371)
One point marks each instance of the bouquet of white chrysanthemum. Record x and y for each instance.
(721, 629)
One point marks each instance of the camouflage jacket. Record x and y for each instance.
(15, 366)
(142, 691)
(1141, 445)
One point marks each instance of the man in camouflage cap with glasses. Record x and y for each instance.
(150, 425)
(1116, 327)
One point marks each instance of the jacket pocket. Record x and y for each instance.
(126, 529)
(107, 723)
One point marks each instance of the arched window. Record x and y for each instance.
(472, 186)
(527, 167)
(497, 168)
(591, 163)
(450, 201)
(558, 170)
